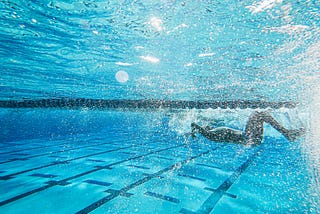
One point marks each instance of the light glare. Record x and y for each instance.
(151, 59)
(122, 76)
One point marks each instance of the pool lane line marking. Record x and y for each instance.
(213, 199)
(96, 182)
(165, 158)
(21, 154)
(55, 152)
(53, 145)
(225, 193)
(65, 150)
(163, 197)
(96, 160)
(74, 148)
(115, 193)
(209, 166)
(65, 181)
(44, 146)
(36, 147)
(137, 166)
(10, 176)
(123, 191)
(191, 177)
(41, 175)
(27, 149)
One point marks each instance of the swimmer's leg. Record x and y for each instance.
(222, 134)
(254, 128)
(291, 135)
(196, 128)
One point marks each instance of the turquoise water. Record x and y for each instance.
(78, 157)
(194, 50)
(133, 163)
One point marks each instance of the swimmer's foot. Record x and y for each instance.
(294, 134)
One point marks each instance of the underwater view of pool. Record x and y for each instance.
(135, 162)
(98, 100)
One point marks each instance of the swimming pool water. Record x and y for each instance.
(62, 152)
(137, 166)
(191, 50)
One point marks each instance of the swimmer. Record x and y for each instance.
(253, 133)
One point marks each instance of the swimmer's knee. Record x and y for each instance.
(259, 115)
(253, 140)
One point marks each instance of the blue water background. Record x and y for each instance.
(278, 179)
(206, 50)
(173, 50)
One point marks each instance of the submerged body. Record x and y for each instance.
(253, 133)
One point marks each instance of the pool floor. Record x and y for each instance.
(165, 174)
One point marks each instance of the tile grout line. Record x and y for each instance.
(4, 177)
(124, 190)
(64, 181)
(213, 199)
(37, 147)
(59, 151)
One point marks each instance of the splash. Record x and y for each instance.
(263, 5)
(312, 146)
(288, 29)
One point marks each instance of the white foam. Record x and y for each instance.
(263, 5)
(287, 29)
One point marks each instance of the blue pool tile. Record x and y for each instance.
(102, 167)
(43, 175)
(163, 197)
(58, 183)
(119, 192)
(192, 177)
(95, 160)
(101, 183)
(225, 193)
(165, 158)
(209, 166)
(20, 154)
(129, 153)
(186, 211)
(56, 156)
(139, 167)
(60, 162)
(147, 174)
(6, 177)
(19, 159)
(94, 149)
